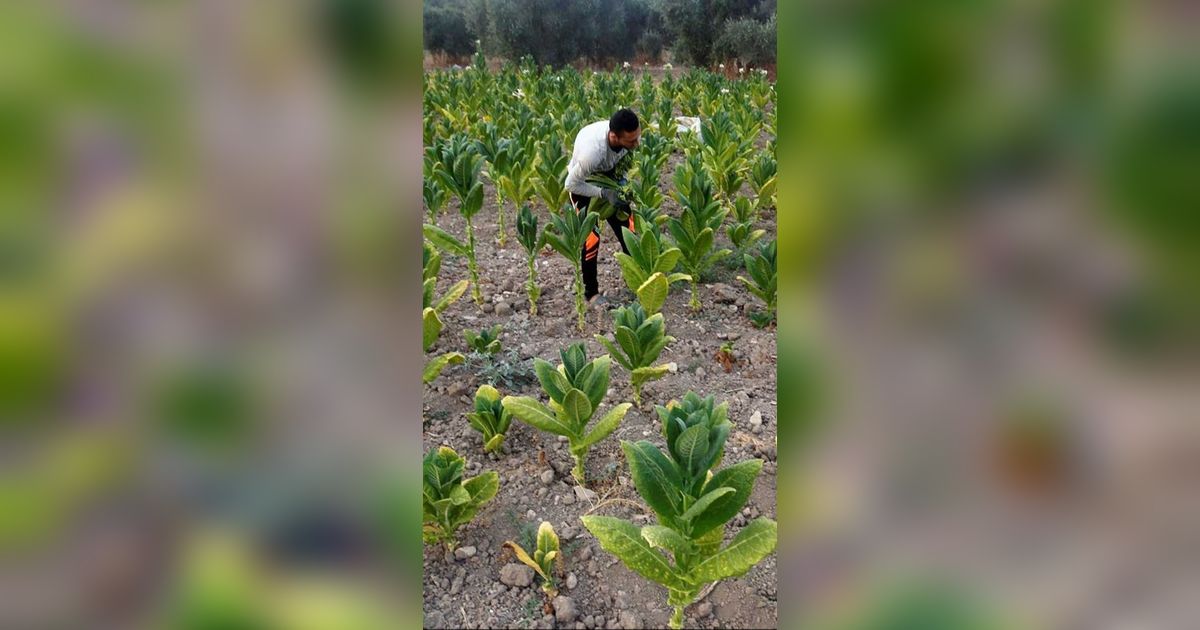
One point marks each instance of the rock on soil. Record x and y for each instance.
(564, 609)
(516, 575)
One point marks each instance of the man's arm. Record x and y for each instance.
(576, 173)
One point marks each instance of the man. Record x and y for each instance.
(598, 148)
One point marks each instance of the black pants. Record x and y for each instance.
(591, 248)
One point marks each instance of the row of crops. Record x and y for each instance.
(514, 129)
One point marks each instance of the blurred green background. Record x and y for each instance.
(208, 291)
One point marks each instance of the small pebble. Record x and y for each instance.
(462, 553)
(547, 476)
(572, 581)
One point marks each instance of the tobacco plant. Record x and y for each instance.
(639, 341)
(567, 234)
(485, 341)
(532, 240)
(576, 389)
(550, 171)
(692, 505)
(741, 231)
(516, 180)
(459, 172)
(546, 557)
(647, 268)
(490, 417)
(448, 501)
(762, 179)
(695, 228)
(762, 281)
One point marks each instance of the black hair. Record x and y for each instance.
(624, 121)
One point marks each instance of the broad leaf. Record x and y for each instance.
(752, 544)
(703, 502)
(624, 540)
(646, 374)
(439, 363)
(666, 538)
(444, 240)
(537, 415)
(576, 409)
(553, 381)
(691, 447)
(607, 424)
(483, 487)
(740, 477)
(653, 293)
(453, 294)
(655, 477)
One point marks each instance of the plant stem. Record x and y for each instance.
(580, 303)
(694, 302)
(677, 618)
(637, 395)
(476, 294)
(500, 211)
(577, 471)
(532, 285)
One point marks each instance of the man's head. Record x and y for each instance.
(623, 130)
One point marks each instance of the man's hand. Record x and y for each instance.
(613, 197)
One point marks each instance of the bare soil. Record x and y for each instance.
(467, 592)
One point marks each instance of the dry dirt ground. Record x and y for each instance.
(535, 482)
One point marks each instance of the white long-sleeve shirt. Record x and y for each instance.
(591, 154)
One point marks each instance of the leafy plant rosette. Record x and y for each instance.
(485, 341)
(683, 551)
(639, 342)
(544, 557)
(490, 417)
(647, 268)
(448, 501)
(576, 389)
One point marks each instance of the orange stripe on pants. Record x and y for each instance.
(591, 247)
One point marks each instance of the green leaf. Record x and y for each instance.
(444, 240)
(494, 443)
(616, 352)
(703, 502)
(436, 365)
(552, 380)
(547, 540)
(576, 409)
(656, 479)
(709, 543)
(624, 540)
(632, 273)
(751, 545)
(607, 424)
(596, 385)
(691, 446)
(459, 495)
(666, 538)
(451, 296)
(483, 487)
(740, 477)
(653, 293)
(667, 260)
(646, 374)
(536, 415)
(431, 328)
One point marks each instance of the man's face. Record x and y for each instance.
(627, 140)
